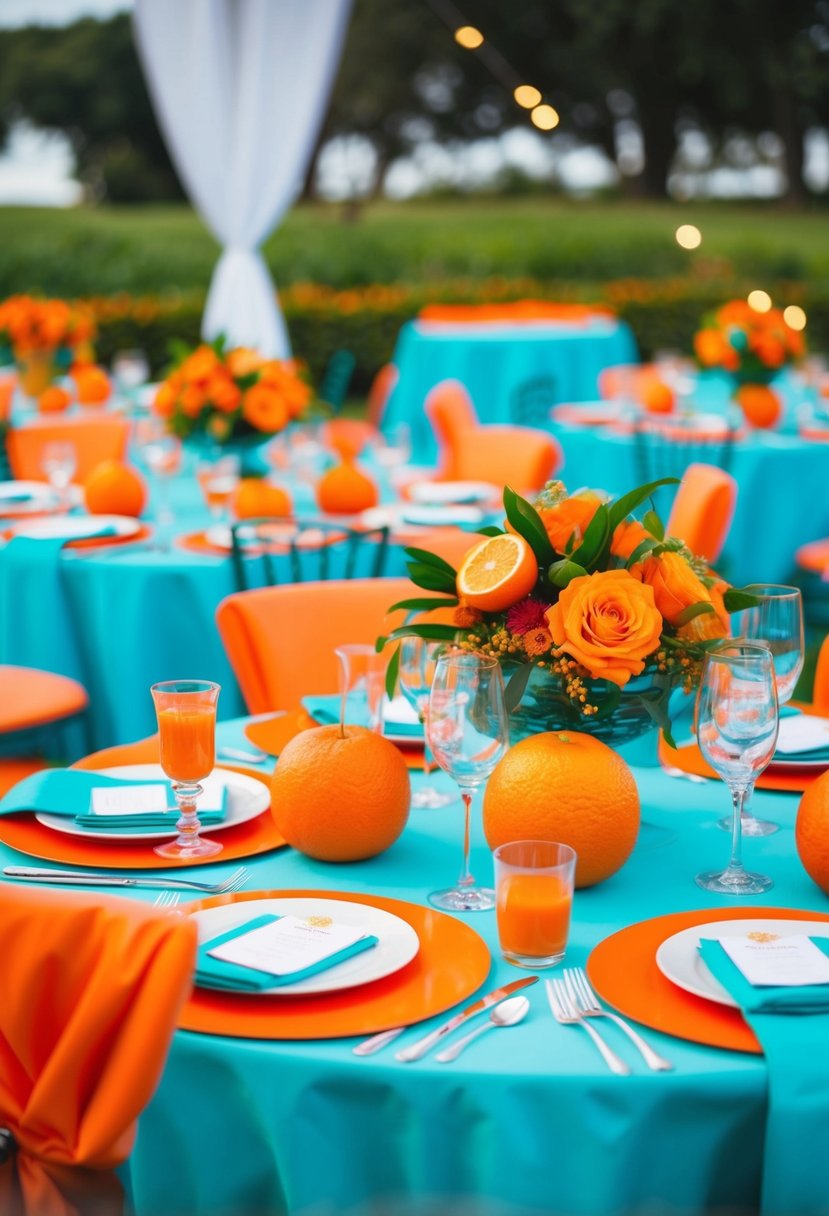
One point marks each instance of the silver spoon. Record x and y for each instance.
(508, 1013)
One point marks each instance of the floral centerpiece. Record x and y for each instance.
(230, 395)
(44, 338)
(596, 617)
(752, 347)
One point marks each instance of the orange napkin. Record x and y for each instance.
(93, 986)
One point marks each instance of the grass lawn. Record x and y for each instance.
(90, 251)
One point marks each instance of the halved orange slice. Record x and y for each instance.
(497, 573)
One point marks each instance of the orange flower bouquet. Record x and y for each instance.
(596, 617)
(44, 338)
(230, 395)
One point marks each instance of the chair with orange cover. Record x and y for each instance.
(382, 387)
(92, 990)
(94, 440)
(33, 704)
(820, 693)
(280, 640)
(703, 509)
(519, 456)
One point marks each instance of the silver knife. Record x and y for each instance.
(418, 1049)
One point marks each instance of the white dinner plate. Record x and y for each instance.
(397, 942)
(246, 799)
(439, 516)
(782, 764)
(77, 527)
(678, 957)
(26, 498)
(439, 493)
(279, 533)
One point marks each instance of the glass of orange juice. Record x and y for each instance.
(534, 897)
(186, 713)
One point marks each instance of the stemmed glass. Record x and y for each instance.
(161, 452)
(737, 723)
(418, 659)
(468, 730)
(186, 713)
(59, 461)
(775, 622)
(219, 480)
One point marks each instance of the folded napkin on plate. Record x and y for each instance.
(68, 791)
(231, 977)
(326, 710)
(792, 1026)
(802, 737)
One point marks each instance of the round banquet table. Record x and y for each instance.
(781, 495)
(525, 1122)
(493, 360)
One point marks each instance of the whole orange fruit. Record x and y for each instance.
(340, 797)
(344, 490)
(115, 488)
(53, 399)
(348, 436)
(811, 831)
(497, 573)
(256, 498)
(760, 404)
(657, 396)
(92, 384)
(568, 787)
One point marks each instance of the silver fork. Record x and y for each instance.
(587, 1003)
(565, 1012)
(90, 878)
(166, 899)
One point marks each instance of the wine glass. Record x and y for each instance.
(418, 659)
(468, 730)
(161, 453)
(186, 713)
(737, 723)
(362, 675)
(219, 480)
(130, 369)
(776, 622)
(59, 461)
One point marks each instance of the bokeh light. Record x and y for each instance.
(688, 236)
(794, 316)
(545, 117)
(527, 95)
(760, 301)
(468, 37)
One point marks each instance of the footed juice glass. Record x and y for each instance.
(186, 713)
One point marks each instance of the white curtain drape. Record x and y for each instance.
(240, 88)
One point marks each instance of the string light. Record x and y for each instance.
(688, 236)
(545, 117)
(527, 96)
(469, 37)
(760, 301)
(794, 316)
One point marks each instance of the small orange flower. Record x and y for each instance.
(537, 641)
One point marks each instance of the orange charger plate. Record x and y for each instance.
(689, 759)
(452, 963)
(623, 971)
(197, 542)
(24, 833)
(271, 734)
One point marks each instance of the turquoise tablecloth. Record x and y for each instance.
(526, 1122)
(495, 360)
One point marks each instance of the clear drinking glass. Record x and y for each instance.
(468, 731)
(362, 685)
(777, 623)
(737, 722)
(59, 462)
(219, 480)
(160, 452)
(418, 659)
(130, 369)
(186, 713)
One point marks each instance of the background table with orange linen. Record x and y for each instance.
(495, 360)
(527, 1120)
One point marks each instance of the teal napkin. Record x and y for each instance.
(326, 710)
(67, 792)
(814, 753)
(792, 1026)
(230, 977)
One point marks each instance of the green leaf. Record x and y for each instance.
(526, 521)
(391, 673)
(430, 578)
(426, 603)
(642, 551)
(657, 708)
(654, 524)
(490, 530)
(609, 703)
(735, 600)
(432, 633)
(692, 611)
(562, 572)
(516, 686)
(622, 507)
(431, 559)
(596, 536)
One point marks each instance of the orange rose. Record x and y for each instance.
(164, 402)
(712, 350)
(608, 622)
(264, 409)
(710, 625)
(675, 585)
(628, 536)
(570, 518)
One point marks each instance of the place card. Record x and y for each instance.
(802, 733)
(154, 798)
(289, 944)
(781, 962)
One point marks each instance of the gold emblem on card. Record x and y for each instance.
(757, 936)
(319, 922)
